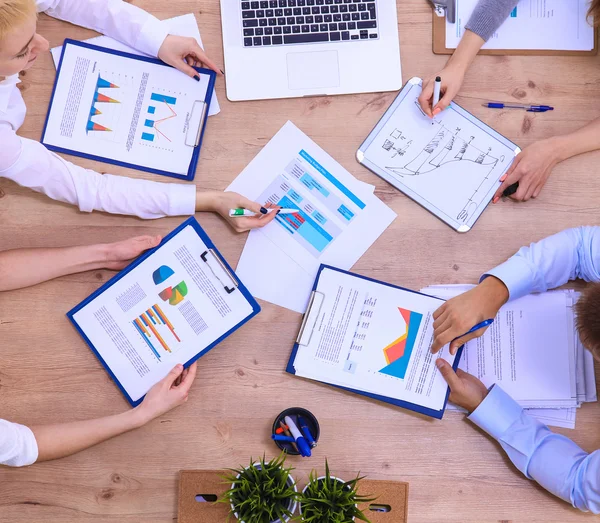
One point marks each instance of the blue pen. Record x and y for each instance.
(528, 107)
(481, 325)
(303, 426)
(287, 439)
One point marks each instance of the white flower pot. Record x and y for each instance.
(292, 508)
(317, 480)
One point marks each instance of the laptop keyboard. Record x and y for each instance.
(281, 22)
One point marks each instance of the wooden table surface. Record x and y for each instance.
(456, 473)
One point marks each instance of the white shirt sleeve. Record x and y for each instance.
(124, 22)
(18, 446)
(30, 164)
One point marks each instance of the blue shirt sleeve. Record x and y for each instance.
(554, 461)
(552, 262)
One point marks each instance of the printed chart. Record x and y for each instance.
(159, 113)
(397, 353)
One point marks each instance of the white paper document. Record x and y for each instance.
(338, 218)
(166, 310)
(559, 25)
(184, 25)
(451, 165)
(533, 352)
(131, 111)
(375, 338)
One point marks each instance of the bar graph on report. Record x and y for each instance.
(157, 331)
(158, 113)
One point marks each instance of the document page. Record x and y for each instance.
(560, 25)
(450, 164)
(126, 110)
(337, 218)
(165, 311)
(374, 338)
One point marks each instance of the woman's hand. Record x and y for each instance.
(223, 202)
(460, 314)
(466, 391)
(452, 80)
(185, 53)
(531, 168)
(170, 392)
(120, 254)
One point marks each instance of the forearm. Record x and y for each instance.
(489, 15)
(25, 267)
(466, 51)
(582, 141)
(60, 440)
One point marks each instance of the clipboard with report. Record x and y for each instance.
(372, 338)
(171, 305)
(128, 110)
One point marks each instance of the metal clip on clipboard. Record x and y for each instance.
(196, 122)
(309, 320)
(445, 8)
(231, 283)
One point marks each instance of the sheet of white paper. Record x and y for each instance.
(338, 218)
(127, 110)
(374, 338)
(564, 418)
(184, 25)
(509, 352)
(534, 24)
(451, 164)
(175, 285)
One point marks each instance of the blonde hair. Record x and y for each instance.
(594, 12)
(13, 13)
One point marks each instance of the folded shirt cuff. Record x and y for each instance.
(516, 274)
(496, 413)
(182, 199)
(151, 36)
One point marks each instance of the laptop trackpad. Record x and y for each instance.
(313, 70)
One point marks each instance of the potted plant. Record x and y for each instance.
(327, 499)
(263, 492)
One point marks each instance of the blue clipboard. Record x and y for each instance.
(472, 211)
(438, 414)
(210, 246)
(194, 161)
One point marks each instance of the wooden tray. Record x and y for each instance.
(210, 483)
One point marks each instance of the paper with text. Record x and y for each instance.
(165, 311)
(338, 218)
(556, 25)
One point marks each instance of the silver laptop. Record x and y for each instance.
(292, 48)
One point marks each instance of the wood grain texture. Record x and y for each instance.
(456, 474)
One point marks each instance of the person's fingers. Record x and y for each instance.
(530, 192)
(188, 380)
(444, 103)
(443, 335)
(439, 311)
(538, 190)
(147, 242)
(256, 222)
(174, 373)
(245, 203)
(200, 56)
(440, 319)
(426, 97)
(511, 176)
(522, 191)
(448, 374)
(185, 68)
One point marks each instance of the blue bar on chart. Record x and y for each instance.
(151, 109)
(148, 137)
(149, 123)
(163, 98)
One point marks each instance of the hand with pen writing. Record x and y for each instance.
(458, 315)
(466, 390)
(185, 53)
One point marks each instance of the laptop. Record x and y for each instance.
(294, 48)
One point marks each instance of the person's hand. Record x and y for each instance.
(531, 168)
(185, 53)
(120, 254)
(223, 202)
(466, 391)
(460, 314)
(170, 392)
(452, 80)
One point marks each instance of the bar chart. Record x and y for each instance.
(160, 111)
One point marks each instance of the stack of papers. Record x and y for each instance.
(533, 352)
(338, 218)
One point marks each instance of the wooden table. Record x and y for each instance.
(456, 474)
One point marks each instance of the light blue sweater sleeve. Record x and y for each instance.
(569, 255)
(554, 461)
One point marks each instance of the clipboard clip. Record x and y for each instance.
(445, 8)
(309, 321)
(196, 123)
(227, 279)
